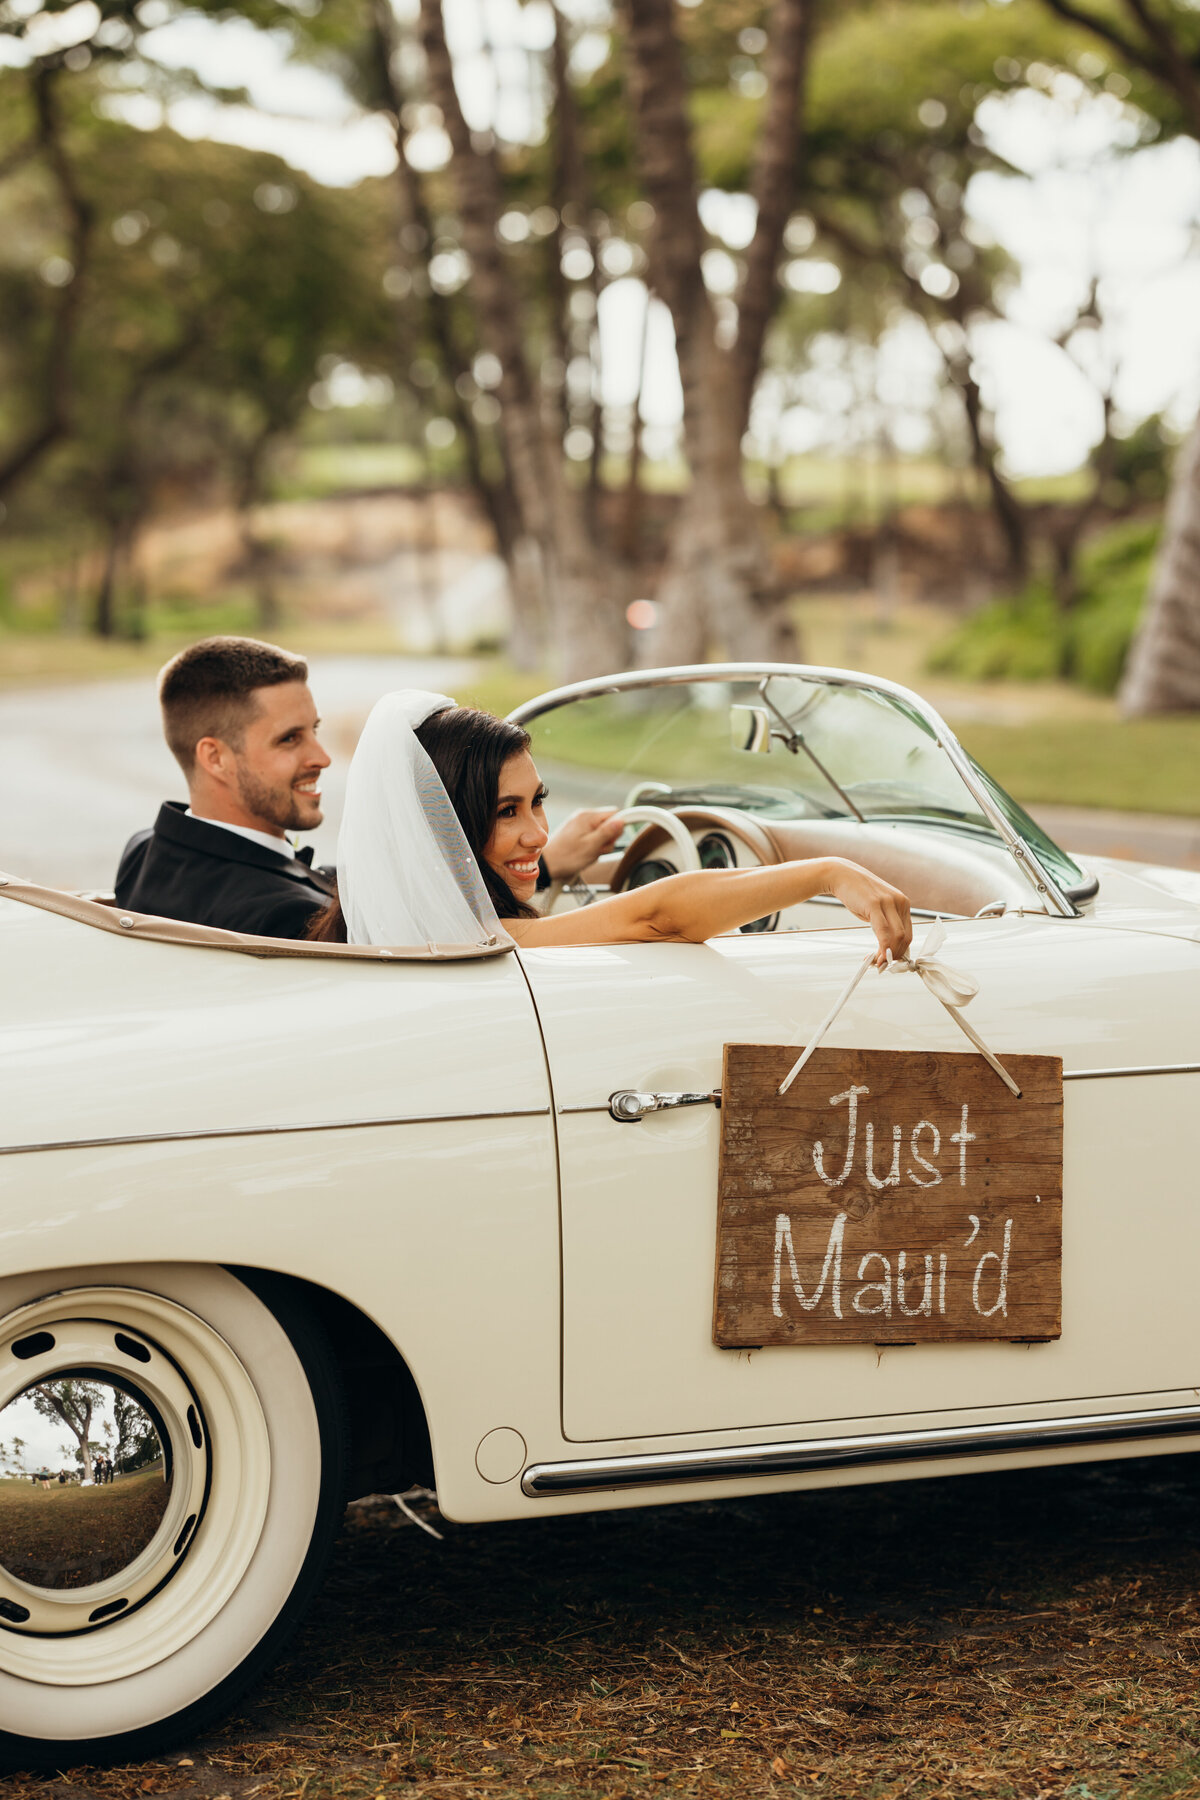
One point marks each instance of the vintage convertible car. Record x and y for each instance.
(303, 1222)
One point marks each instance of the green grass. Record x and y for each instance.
(1133, 765)
(30, 659)
(805, 480)
(820, 482)
(337, 468)
(497, 687)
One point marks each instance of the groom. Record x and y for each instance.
(240, 721)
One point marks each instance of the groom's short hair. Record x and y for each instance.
(208, 690)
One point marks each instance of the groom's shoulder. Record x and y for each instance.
(171, 823)
(134, 850)
(133, 856)
(185, 868)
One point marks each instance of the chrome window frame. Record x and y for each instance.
(1056, 899)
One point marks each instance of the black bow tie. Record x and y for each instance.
(305, 855)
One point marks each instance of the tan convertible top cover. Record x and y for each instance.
(104, 916)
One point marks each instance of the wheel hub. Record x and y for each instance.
(100, 1580)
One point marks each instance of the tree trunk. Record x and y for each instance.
(260, 563)
(629, 532)
(77, 1417)
(718, 592)
(571, 196)
(1009, 512)
(773, 185)
(583, 598)
(522, 560)
(1163, 672)
(528, 631)
(1068, 534)
(118, 573)
(104, 617)
(55, 383)
(454, 358)
(258, 554)
(718, 589)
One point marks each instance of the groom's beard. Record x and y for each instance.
(279, 806)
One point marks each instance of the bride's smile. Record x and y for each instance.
(520, 832)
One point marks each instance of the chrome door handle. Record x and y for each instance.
(628, 1106)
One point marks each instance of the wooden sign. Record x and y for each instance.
(888, 1197)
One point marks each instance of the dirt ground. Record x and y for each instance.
(65, 1537)
(1033, 1635)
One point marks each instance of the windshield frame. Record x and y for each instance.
(1057, 899)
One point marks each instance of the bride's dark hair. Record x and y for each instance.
(468, 748)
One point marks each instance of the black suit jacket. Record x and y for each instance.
(190, 869)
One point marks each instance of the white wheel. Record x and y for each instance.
(132, 1612)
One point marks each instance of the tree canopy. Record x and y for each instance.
(170, 309)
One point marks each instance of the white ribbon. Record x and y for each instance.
(950, 986)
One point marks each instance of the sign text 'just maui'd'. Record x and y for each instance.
(887, 1197)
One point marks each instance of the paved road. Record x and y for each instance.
(87, 767)
(1137, 837)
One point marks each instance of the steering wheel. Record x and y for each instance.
(654, 819)
(676, 830)
(715, 824)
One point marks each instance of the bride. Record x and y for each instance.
(444, 823)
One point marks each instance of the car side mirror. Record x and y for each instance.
(750, 729)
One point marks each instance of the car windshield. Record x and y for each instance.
(782, 746)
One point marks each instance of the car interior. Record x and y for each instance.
(729, 768)
(711, 772)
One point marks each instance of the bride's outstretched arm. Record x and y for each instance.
(691, 908)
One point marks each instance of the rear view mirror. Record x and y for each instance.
(750, 728)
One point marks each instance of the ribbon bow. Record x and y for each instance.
(950, 986)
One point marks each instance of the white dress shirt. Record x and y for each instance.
(280, 845)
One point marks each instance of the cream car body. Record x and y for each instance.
(419, 1149)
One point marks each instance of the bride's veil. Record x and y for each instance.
(406, 874)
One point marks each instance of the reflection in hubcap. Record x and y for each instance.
(85, 1480)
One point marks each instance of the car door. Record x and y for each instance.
(639, 1200)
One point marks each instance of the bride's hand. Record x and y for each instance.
(883, 907)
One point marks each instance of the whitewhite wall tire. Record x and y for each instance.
(247, 1390)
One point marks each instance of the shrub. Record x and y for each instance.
(1029, 638)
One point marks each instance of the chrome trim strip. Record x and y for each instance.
(1147, 1069)
(809, 1455)
(1038, 877)
(916, 912)
(236, 1131)
(533, 1112)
